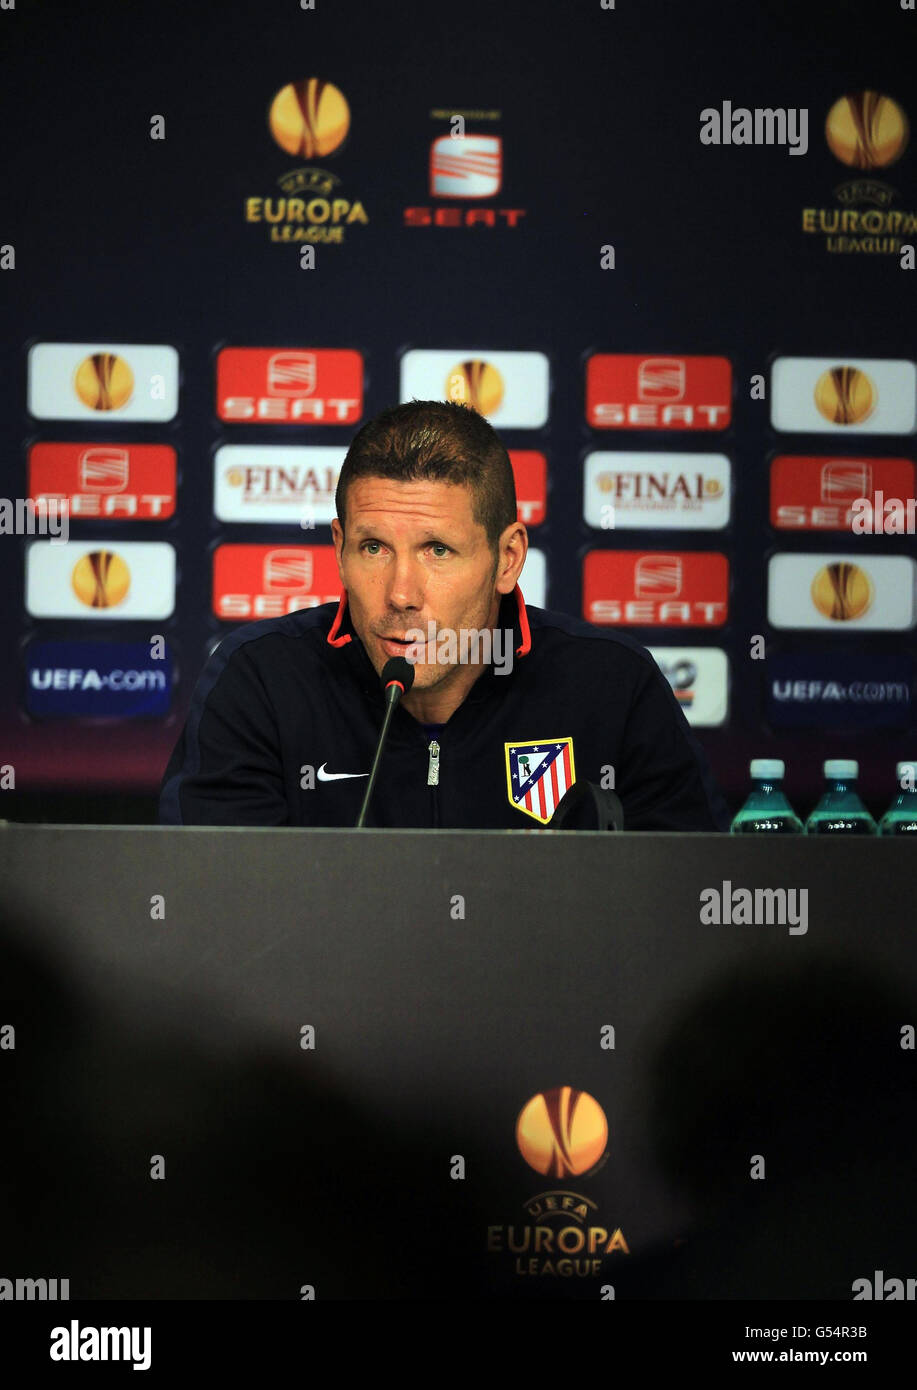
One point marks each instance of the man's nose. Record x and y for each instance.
(405, 586)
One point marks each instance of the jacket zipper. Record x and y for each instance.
(433, 777)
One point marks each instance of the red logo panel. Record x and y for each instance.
(637, 588)
(630, 391)
(265, 581)
(120, 482)
(290, 386)
(530, 471)
(816, 492)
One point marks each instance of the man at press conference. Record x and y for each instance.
(509, 706)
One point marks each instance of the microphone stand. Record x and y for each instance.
(397, 679)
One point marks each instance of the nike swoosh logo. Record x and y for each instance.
(324, 776)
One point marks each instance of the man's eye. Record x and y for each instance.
(437, 546)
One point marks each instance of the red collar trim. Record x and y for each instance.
(333, 638)
(525, 646)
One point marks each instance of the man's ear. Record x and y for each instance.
(337, 536)
(514, 544)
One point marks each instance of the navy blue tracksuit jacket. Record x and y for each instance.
(286, 714)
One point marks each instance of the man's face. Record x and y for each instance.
(414, 554)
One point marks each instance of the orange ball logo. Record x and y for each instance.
(842, 591)
(845, 396)
(562, 1132)
(101, 579)
(866, 130)
(104, 381)
(477, 384)
(309, 119)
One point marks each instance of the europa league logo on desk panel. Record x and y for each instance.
(561, 1133)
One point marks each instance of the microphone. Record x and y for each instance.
(397, 678)
(587, 806)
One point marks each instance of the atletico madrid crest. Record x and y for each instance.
(538, 774)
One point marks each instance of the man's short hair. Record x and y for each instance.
(436, 441)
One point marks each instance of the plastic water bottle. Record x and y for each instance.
(840, 811)
(901, 816)
(767, 811)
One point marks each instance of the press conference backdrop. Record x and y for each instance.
(663, 248)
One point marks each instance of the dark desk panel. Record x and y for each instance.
(159, 981)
